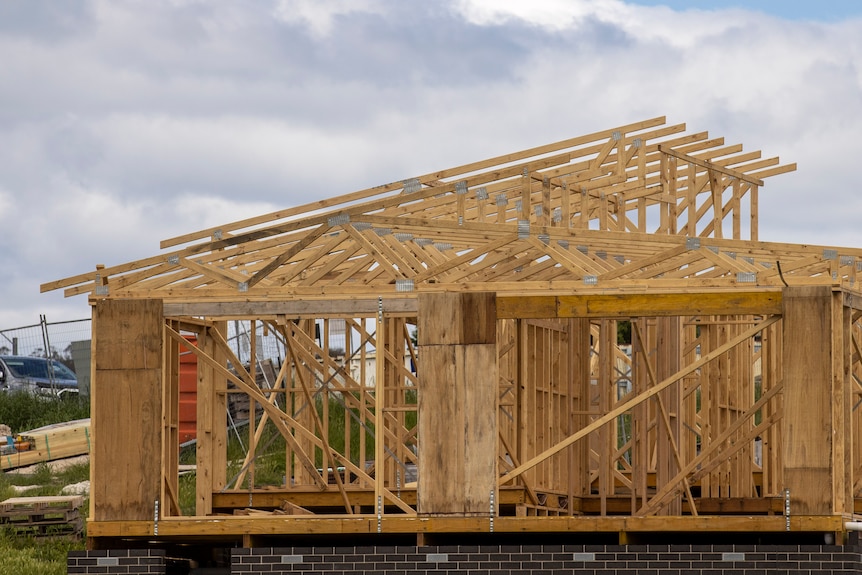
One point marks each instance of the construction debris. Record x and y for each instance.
(49, 516)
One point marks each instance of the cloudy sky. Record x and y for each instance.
(123, 123)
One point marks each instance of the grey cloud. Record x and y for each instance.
(183, 61)
(148, 102)
(73, 148)
(45, 20)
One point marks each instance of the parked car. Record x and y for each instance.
(36, 375)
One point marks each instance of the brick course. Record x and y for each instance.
(126, 561)
(502, 560)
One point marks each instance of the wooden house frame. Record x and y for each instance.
(733, 410)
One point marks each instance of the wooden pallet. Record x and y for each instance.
(47, 516)
(54, 502)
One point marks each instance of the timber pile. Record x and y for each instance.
(286, 508)
(238, 403)
(48, 516)
(51, 442)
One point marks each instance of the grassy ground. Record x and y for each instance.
(22, 411)
(26, 555)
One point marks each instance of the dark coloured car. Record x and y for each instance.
(36, 375)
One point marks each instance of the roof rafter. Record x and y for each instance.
(641, 206)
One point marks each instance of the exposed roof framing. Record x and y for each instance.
(645, 205)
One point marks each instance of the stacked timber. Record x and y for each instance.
(238, 403)
(286, 508)
(48, 443)
(49, 516)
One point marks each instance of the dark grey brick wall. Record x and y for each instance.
(126, 561)
(553, 559)
(503, 560)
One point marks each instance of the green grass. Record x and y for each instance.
(22, 411)
(269, 463)
(48, 482)
(26, 555)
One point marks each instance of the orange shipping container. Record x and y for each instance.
(188, 393)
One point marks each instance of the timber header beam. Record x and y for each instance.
(640, 305)
(593, 305)
(290, 309)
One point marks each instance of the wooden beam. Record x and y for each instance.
(707, 165)
(640, 305)
(302, 308)
(311, 499)
(331, 203)
(235, 526)
(287, 255)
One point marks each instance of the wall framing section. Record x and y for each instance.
(734, 404)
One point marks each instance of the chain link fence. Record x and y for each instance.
(69, 342)
(45, 339)
(65, 341)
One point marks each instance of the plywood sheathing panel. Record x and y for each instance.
(457, 404)
(457, 319)
(807, 427)
(126, 413)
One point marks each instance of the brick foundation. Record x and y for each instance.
(126, 561)
(504, 560)
(553, 559)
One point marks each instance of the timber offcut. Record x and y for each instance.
(586, 339)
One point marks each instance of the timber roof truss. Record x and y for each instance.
(641, 206)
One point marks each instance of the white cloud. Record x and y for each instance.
(550, 14)
(318, 15)
(148, 120)
(646, 24)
